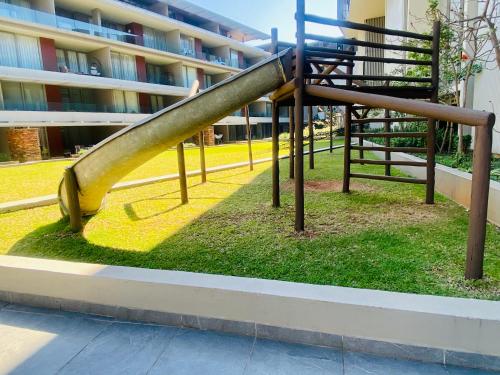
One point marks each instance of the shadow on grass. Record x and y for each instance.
(367, 239)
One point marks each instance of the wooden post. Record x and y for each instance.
(347, 138)
(298, 95)
(347, 148)
(275, 156)
(479, 202)
(387, 129)
(203, 165)
(249, 137)
(181, 164)
(291, 150)
(75, 214)
(275, 133)
(431, 124)
(311, 136)
(330, 108)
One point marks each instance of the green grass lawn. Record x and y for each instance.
(381, 236)
(32, 180)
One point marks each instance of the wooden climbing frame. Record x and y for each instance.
(323, 75)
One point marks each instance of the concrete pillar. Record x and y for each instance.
(24, 144)
(96, 17)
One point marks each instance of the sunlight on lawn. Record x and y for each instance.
(140, 219)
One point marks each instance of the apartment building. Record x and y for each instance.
(410, 15)
(74, 72)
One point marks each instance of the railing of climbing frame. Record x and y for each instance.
(390, 98)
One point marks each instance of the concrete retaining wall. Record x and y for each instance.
(429, 328)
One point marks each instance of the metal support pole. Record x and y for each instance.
(330, 108)
(347, 148)
(275, 156)
(387, 129)
(431, 124)
(311, 136)
(203, 165)
(181, 164)
(249, 137)
(479, 202)
(299, 118)
(75, 214)
(291, 132)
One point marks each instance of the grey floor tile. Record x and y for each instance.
(42, 343)
(123, 348)
(454, 370)
(204, 352)
(362, 364)
(276, 358)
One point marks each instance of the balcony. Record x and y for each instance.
(65, 23)
(70, 107)
(35, 16)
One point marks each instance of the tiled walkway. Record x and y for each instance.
(36, 341)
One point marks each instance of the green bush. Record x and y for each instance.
(4, 157)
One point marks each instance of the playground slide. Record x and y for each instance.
(109, 161)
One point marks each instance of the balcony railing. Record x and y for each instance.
(69, 107)
(36, 16)
(31, 15)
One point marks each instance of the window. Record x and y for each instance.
(72, 61)
(187, 46)
(233, 58)
(123, 66)
(78, 99)
(190, 75)
(20, 51)
(125, 101)
(24, 96)
(154, 73)
(155, 39)
(208, 81)
(157, 103)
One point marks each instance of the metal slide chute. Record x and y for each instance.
(109, 161)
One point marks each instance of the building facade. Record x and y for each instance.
(74, 72)
(410, 15)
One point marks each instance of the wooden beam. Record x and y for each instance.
(391, 149)
(74, 212)
(389, 162)
(389, 178)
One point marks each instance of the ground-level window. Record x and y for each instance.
(125, 101)
(23, 96)
(20, 51)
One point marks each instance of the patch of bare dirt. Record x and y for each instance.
(328, 185)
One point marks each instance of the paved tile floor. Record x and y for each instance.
(38, 341)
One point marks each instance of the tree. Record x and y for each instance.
(469, 44)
